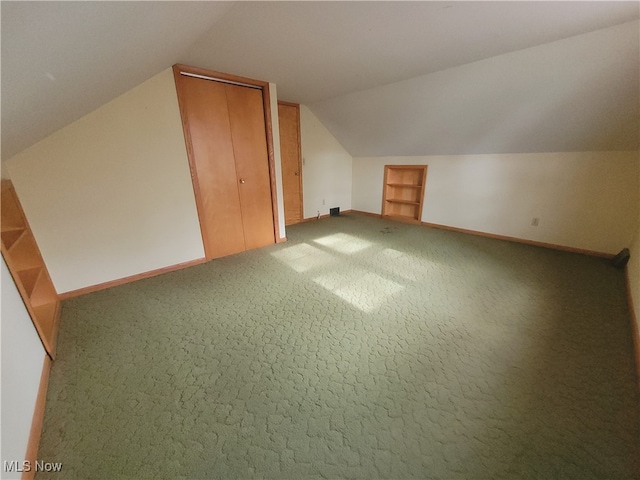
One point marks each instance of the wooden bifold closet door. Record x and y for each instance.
(225, 131)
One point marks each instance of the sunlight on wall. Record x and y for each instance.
(343, 243)
(303, 257)
(362, 289)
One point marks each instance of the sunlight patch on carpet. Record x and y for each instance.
(303, 257)
(343, 243)
(362, 289)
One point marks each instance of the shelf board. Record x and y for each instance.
(12, 228)
(46, 315)
(29, 279)
(43, 291)
(11, 223)
(403, 185)
(11, 235)
(11, 212)
(402, 218)
(406, 202)
(24, 253)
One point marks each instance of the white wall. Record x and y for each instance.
(326, 168)
(110, 195)
(22, 361)
(587, 200)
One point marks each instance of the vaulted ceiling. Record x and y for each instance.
(387, 78)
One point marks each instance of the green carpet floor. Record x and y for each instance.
(360, 348)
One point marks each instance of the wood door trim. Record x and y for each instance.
(297, 108)
(423, 192)
(300, 161)
(289, 104)
(266, 102)
(220, 75)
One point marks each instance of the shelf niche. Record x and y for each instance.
(28, 269)
(403, 192)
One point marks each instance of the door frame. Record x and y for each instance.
(178, 70)
(297, 107)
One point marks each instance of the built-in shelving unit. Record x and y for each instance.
(28, 269)
(403, 192)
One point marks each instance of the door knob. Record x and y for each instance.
(297, 174)
(242, 180)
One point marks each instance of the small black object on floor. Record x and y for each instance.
(621, 259)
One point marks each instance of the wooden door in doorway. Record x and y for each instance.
(290, 151)
(226, 138)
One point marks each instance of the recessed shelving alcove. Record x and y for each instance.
(28, 269)
(403, 192)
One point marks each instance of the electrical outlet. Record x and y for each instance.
(323, 201)
(535, 221)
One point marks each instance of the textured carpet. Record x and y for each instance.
(360, 348)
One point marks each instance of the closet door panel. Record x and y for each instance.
(213, 152)
(248, 133)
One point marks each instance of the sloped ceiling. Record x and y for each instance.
(387, 78)
(575, 94)
(61, 60)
